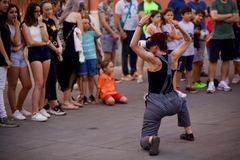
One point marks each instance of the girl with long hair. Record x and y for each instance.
(51, 92)
(19, 69)
(68, 68)
(37, 38)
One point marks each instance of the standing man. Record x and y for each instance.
(176, 5)
(144, 8)
(127, 21)
(223, 13)
(5, 50)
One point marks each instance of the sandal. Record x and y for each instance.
(69, 106)
(76, 104)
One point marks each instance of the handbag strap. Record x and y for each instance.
(129, 10)
(69, 33)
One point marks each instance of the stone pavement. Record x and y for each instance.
(99, 132)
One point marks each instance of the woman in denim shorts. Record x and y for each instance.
(36, 36)
(19, 69)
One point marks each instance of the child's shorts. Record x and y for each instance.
(199, 52)
(185, 62)
(88, 67)
(116, 97)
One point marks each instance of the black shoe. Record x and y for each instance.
(91, 99)
(154, 149)
(204, 74)
(85, 100)
(188, 137)
(57, 110)
(46, 107)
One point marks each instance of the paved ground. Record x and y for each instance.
(99, 132)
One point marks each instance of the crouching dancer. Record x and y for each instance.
(162, 100)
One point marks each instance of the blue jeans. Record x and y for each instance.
(126, 52)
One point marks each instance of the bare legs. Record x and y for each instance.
(40, 73)
(13, 74)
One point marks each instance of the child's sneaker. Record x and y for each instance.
(211, 87)
(191, 89)
(199, 84)
(140, 79)
(91, 99)
(117, 80)
(44, 113)
(57, 110)
(6, 122)
(222, 86)
(189, 137)
(181, 94)
(235, 79)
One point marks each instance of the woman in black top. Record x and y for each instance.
(162, 100)
(51, 91)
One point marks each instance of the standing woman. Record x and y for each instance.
(68, 68)
(162, 100)
(55, 9)
(36, 36)
(19, 67)
(51, 91)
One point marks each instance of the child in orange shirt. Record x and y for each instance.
(107, 86)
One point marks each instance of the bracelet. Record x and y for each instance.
(48, 42)
(140, 25)
(41, 26)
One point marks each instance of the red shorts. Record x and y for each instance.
(116, 97)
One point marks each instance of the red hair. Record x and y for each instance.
(161, 40)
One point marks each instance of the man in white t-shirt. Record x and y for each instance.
(127, 21)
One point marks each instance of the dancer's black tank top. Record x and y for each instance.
(156, 79)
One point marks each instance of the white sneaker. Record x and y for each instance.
(25, 113)
(44, 113)
(38, 117)
(75, 87)
(140, 79)
(227, 80)
(18, 115)
(181, 94)
(211, 87)
(222, 86)
(235, 79)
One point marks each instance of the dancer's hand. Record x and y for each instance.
(145, 19)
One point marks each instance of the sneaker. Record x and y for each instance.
(227, 80)
(191, 89)
(25, 113)
(38, 117)
(57, 110)
(6, 122)
(91, 99)
(44, 113)
(127, 78)
(183, 78)
(211, 87)
(18, 115)
(199, 84)
(47, 108)
(222, 86)
(140, 79)
(85, 100)
(181, 94)
(235, 79)
(204, 74)
(117, 81)
(189, 137)
(75, 86)
(154, 149)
